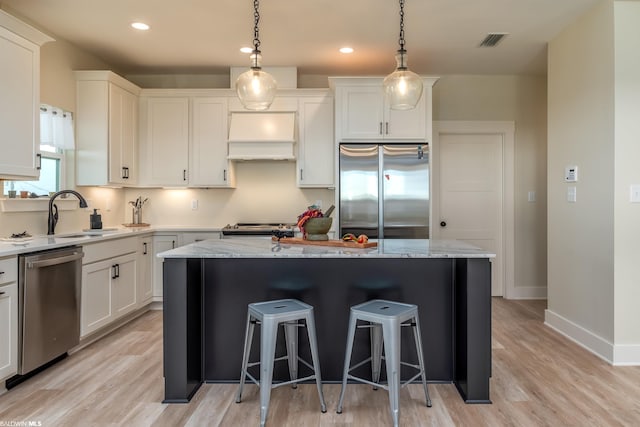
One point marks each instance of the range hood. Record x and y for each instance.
(262, 136)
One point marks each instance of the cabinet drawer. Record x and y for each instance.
(109, 249)
(8, 270)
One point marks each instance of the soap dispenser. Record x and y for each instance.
(95, 219)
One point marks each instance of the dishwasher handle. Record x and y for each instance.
(55, 261)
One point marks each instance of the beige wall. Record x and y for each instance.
(521, 99)
(581, 133)
(594, 245)
(265, 191)
(627, 172)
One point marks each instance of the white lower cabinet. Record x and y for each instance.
(165, 242)
(109, 278)
(8, 318)
(161, 243)
(145, 270)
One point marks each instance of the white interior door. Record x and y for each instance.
(468, 192)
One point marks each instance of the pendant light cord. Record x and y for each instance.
(402, 51)
(256, 34)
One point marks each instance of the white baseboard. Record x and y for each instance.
(581, 336)
(527, 292)
(626, 355)
(617, 355)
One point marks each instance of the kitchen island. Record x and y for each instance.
(208, 285)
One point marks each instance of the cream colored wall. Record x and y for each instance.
(627, 172)
(581, 132)
(265, 191)
(521, 99)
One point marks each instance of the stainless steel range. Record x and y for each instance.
(265, 230)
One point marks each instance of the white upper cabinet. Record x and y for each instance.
(164, 141)
(363, 115)
(208, 164)
(106, 129)
(316, 143)
(20, 98)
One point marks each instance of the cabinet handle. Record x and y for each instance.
(1, 273)
(116, 271)
(144, 248)
(39, 161)
(386, 127)
(301, 175)
(380, 128)
(173, 244)
(1, 293)
(224, 175)
(184, 174)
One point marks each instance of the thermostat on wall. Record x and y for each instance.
(571, 174)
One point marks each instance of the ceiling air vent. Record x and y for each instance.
(492, 39)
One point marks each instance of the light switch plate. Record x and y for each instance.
(571, 194)
(634, 196)
(194, 204)
(571, 174)
(531, 196)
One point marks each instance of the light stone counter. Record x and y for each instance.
(265, 248)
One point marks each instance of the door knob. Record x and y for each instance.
(443, 224)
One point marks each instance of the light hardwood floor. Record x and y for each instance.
(539, 378)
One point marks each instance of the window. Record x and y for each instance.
(56, 135)
(51, 175)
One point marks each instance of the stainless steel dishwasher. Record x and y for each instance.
(49, 305)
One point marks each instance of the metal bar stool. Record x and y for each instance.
(385, 320)
(270, 315)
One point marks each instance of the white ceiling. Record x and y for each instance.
(204, 36)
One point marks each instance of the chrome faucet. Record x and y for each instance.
(53, 209)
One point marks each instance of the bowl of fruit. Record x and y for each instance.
(314, 224)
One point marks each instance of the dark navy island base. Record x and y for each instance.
(206, 298)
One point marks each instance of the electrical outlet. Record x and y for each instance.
(194, 204)
(531, 196)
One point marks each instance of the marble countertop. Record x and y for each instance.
(265, 248)
(41, 243)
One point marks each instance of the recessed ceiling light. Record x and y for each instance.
(246, 49)
(346, 50)
(140, 26)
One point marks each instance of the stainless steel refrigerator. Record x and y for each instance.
(384, 190)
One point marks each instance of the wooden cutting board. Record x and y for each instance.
(335, 243)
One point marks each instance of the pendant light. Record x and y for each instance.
(256, 88)
(402, 88)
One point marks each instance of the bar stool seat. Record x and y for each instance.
(385, 321)
(270, 315)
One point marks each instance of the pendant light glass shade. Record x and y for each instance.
(402, 88)
(256, 88)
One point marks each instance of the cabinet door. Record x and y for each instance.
(124, 289)
(122, 135)
(166, 141)
(407, 124)
(316, 144)
(208, 164)
(145, 269)
(362, 112)
(19, 106)
(161, 243)
(96, 304)
(8, 330)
